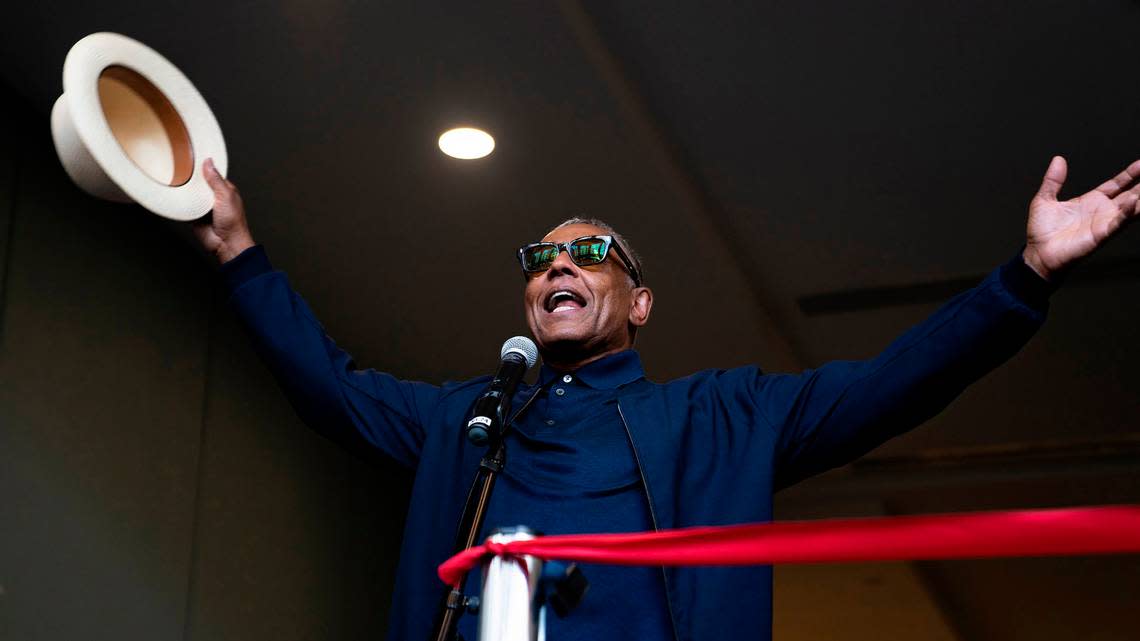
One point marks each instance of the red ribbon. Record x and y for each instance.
(1056, 532)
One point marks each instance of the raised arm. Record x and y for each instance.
(352, 406)
(828, 416)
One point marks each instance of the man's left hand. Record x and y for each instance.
(1061, 232)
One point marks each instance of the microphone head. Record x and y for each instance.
(522, 346)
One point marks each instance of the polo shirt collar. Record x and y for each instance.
(608, 372)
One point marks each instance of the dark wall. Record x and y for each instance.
(153, 481)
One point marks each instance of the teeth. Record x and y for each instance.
(558, 298)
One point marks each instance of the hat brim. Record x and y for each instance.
(85, 63)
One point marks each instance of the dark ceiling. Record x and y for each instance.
(783, 150)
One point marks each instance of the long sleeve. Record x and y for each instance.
(831, 415)
(349, 405)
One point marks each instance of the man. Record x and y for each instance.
(596, 447)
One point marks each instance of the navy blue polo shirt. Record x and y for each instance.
(570, 469)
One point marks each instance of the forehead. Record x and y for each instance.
(570, 232)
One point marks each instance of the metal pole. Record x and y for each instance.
(509, 609)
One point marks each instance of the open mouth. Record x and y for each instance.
(561, 301)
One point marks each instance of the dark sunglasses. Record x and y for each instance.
(584, 251)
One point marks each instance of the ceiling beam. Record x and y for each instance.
(1105, 270)
(877, 478)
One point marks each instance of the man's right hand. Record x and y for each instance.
(223, 232)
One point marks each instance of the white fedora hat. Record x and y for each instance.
(130, 127)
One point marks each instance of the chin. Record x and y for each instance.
(554, 329)
(561, 339)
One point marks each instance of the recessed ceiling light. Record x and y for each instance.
(466, 143)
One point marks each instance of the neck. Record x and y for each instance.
(568, 360)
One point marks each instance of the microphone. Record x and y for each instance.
(493, 407)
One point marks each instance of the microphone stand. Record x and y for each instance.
(470, 524)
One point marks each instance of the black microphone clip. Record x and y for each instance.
(491, 411)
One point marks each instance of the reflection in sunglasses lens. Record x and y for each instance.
(588, 251)
(585, 251)
(540, 257)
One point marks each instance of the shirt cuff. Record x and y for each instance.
(1026, 284)
(246, 266)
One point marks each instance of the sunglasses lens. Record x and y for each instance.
(539, 257)
(588, 251)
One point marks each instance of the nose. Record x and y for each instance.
(562, 265)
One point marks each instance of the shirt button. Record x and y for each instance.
(567, 378)
(560, 391)
(550, 421)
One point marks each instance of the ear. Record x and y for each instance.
(642, 305)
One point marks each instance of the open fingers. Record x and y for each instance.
(1117, 184)
(1128, 202)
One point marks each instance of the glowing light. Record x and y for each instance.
(466, 143)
